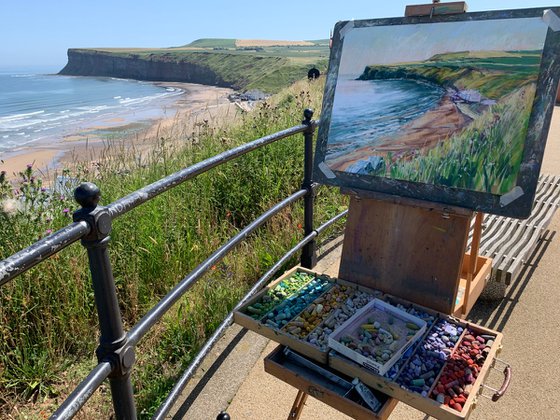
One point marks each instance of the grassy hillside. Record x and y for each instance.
(493, 73)
(254, 65)
(48, 322)
(486, 154)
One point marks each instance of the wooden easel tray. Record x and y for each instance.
(281, 335)
(307, 381)
(415, 399)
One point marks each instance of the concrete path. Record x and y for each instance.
(529, 317)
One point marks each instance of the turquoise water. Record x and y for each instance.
(35, 106)
(364, 111)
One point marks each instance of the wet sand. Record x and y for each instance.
(420, 134)
(198, 103)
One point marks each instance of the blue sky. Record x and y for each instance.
(39, 32)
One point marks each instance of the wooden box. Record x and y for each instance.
(280, 335)
(307, 381)
(416, 400)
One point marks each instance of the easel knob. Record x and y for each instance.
(223, 416)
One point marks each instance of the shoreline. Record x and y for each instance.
(422, 133)
(86, 145)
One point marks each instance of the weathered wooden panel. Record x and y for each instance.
(410, 252)
(436, 9)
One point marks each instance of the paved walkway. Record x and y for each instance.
(529, 317)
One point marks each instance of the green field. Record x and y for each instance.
(268, 68)
(492, 73)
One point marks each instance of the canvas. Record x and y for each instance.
(453, 109)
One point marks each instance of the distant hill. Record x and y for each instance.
(268, 65)
(494, 74)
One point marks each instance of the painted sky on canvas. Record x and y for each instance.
(405, 43)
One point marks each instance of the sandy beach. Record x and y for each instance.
(420, 134)
(196, 104)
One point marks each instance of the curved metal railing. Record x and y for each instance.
(92, 224)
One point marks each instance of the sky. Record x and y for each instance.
(37, 33)
(398, 44)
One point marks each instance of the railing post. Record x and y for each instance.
(113, 345)
(308, 253)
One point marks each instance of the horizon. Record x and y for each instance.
(42, 37)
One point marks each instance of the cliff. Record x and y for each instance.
(216, 68)
(492, 73)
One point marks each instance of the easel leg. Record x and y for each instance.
(473, 260)
(297, 408)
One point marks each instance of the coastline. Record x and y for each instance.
(420, 134)
(196, 103)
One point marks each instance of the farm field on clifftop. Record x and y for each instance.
(492, 73)
(240, 64)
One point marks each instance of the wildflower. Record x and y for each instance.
(48, 231)
(300, 226)
(66, 211)
(29, 165)
(10, 206)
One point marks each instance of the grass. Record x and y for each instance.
(213, 43)
(485, 156)
(48, 324)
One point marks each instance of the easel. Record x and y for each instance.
(410, 248)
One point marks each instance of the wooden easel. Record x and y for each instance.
(411, 248)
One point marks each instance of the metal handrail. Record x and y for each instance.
(25, 259)
(92, 224)
(172, 397)
(154, 314)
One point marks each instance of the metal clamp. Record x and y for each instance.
(498, 393)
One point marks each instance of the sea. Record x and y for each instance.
(365, 111)
(37, 105)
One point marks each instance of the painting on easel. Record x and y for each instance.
(452, 109)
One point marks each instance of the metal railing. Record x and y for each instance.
(92, 225)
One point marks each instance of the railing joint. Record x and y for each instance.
(121, 356)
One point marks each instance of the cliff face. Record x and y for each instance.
(131, 66)
(238, 70)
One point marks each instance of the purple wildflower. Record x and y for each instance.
(66, 210)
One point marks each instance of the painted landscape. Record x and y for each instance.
(457, 119)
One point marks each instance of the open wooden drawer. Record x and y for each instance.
(321, 383)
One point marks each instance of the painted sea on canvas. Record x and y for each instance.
(364, 112)
(37, 106)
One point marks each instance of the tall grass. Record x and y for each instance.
(485, 156)
(48, 325)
